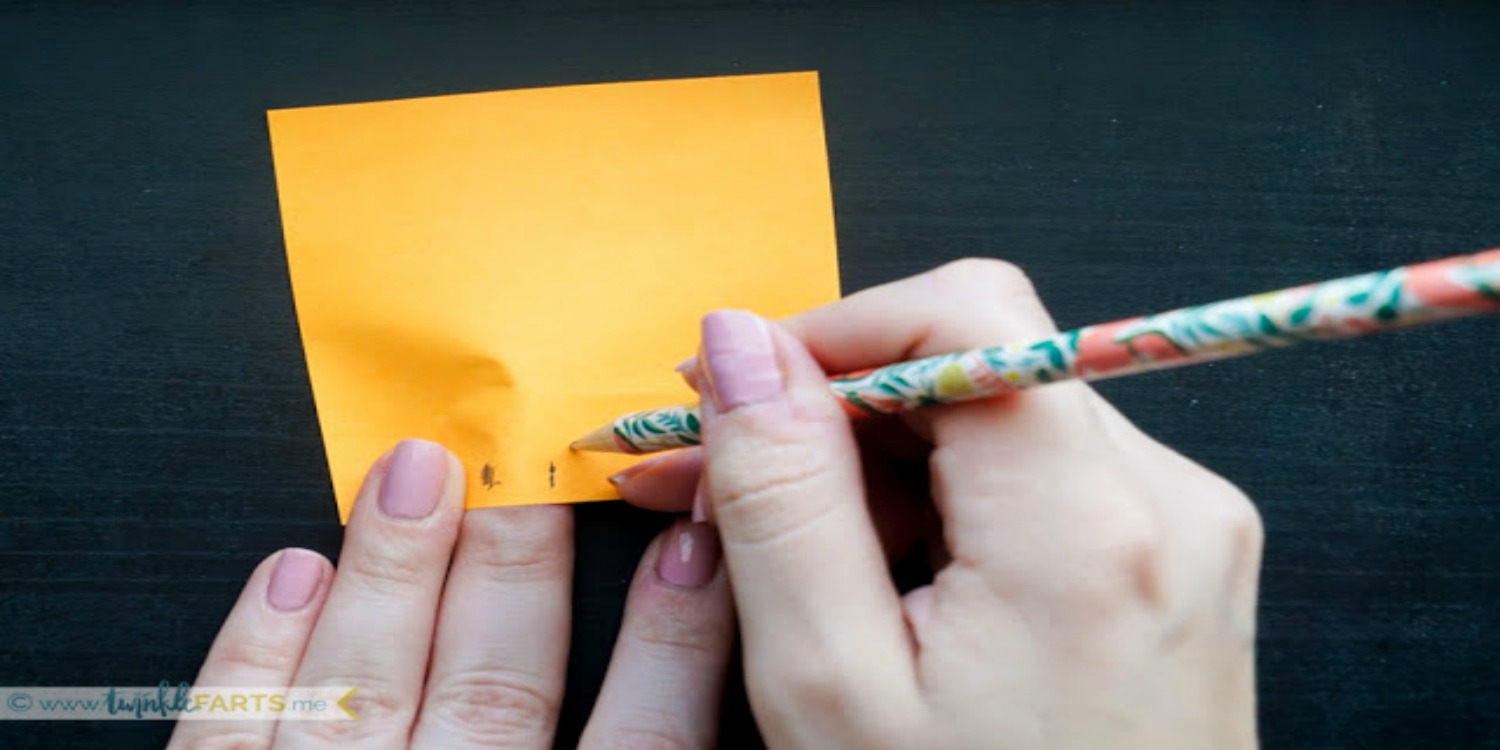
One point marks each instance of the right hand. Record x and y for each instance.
(1093, 588)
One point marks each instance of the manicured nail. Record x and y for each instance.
(294, 580)
(700, 504)
(690, 373)
(638, 469)
(690, 556)
(414, 480)
(742, 367)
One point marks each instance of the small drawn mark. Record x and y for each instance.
(487, 476)
(551, 475)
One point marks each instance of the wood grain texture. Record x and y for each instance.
(157, 434)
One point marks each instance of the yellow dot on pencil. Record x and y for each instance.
(1014, 377)
(952, 382)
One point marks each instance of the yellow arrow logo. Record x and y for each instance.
(344, 703)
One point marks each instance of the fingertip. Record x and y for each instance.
(297, 576)
(691, 373)
(801, 430)
(673, 649)
(421, 477)
(688, 555)
(664, 483)
(748, 360)
(740, 362)
(702, 511)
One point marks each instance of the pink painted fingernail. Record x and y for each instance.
(700, 504)
(690, 373)
(690, 556)
(639, 469)
(294, 580)
(414, 480)
(742, 367)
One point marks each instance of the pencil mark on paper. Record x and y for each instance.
(487, 476)
(551, 475)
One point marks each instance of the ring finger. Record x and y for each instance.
(666, 676)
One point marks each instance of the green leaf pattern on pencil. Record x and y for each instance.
(1335, 309)
(1240, 326)
(1483, 278)
(659, 429)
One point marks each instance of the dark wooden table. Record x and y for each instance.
(157, 432)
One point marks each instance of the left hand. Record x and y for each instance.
(455, 626)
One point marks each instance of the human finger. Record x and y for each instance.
(666, 677)
(261, 643)
(375, 631)
(665, 482)
(895, 484)
(500, 652)
(819, 612)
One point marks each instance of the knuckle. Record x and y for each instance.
(1131, 541)
(493, 705)
(1236, 519)
(377, 702)
(231, 740)
(1246, 534)
(339, 733)
(1121, 558)
(1129, 533)
(378, 705)
(774, 495)
(1231, 519)
(258, 655)
(516, 546)
(1245, 525)
(393, 570)
(680, 632)
(986, 275)
(1117, 527)
(642, 738)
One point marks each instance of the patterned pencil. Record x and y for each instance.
(1342, 308)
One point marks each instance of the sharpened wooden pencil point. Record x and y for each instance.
(602, 440)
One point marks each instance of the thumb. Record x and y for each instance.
(782, 477)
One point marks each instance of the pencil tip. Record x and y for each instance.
(600, 440)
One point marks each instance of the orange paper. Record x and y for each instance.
(504, 272)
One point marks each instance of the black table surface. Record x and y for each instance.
(157, 431)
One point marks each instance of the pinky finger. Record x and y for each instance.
(261, 643)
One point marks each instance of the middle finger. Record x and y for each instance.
(501, 652)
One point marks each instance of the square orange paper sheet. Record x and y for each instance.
(503, 272)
